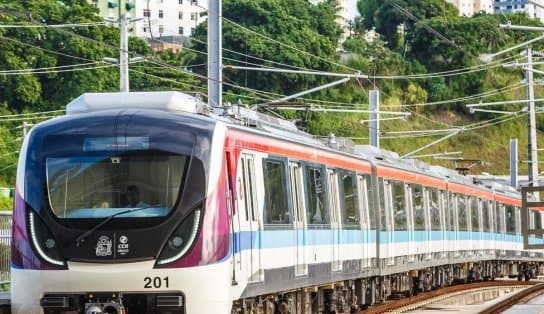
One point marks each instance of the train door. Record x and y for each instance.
(365, 219)
(531, 226)
(502, 237)
(518, 239)
(447, 224)
(334, 206)
(427, 210)
(299, 218)
(251, 226)
(456, 233)
(388, 223)
(414, 218)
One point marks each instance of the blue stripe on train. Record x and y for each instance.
(271, 239)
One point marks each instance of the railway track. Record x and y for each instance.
(520, 297)
(424, 298)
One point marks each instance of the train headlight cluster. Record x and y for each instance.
(43, 241)
(180, 241)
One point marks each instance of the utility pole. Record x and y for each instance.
(123, 61)
(215, 67)
(514, 163)
(374, 131)
(532, 147)
(123, 54)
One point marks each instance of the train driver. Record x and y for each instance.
(133, 197)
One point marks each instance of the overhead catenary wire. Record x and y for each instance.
(57, 70)
(17, 71)
(43, 25)
(318, 100)
(46, 50)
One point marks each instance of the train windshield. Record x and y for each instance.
(99, 186)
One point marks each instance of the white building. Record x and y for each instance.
(160, 17)
(471, 7)
(168, 17)
(347, 12)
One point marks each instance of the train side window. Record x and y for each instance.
(317, 209)
(434, 208)
(448, 209)
(498, 217)
(518, 220)
(370, 201)
(538, 221)
(510, 219)
(475, 214)
(276, 204)
(417, 205)
(242, 189)
(248, 177)
(365, 201)
(349, 208)
(486, 215)
(297, 194)
(384, 187)
(399, 205)
(454, 219)
(462, 213)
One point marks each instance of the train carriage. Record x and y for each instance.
(155, 203)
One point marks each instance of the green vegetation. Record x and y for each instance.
(430, 38)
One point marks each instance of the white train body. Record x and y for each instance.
(237, 214)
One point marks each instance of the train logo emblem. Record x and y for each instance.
(122, 247)
(103, 247)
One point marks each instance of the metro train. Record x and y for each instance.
(156, 203)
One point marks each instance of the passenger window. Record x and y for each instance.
(417, 204)
(383, 189)
(538, 221)
(399, 205)
(369, 221)
(462, 213)
(276, 205)
(474, 214)
(249, 187)
(434, 208)
(349, 208)
(369, 201)
(452, 207)
(317, 210)
(297, 193)
(498, 217)
(510, 219)
(486, 215)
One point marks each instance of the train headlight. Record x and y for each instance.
(181, 240)
(43, 241)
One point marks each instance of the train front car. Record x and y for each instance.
(119, 209)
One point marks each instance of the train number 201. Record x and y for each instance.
(155, 282)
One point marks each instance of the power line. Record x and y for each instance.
(60, 70)
(43, 49)
(17, 71)
(70, 25)
(31, 113)
(289, 46)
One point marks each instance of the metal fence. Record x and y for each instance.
(5, 246)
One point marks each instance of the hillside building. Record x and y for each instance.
(471, 7)
(160, 17)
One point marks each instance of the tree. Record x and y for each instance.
(388, 15)
(294, 23)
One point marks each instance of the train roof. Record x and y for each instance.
(240, 117)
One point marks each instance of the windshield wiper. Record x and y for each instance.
(80, 239)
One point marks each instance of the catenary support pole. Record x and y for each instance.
(374, 96)
(215, 71)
